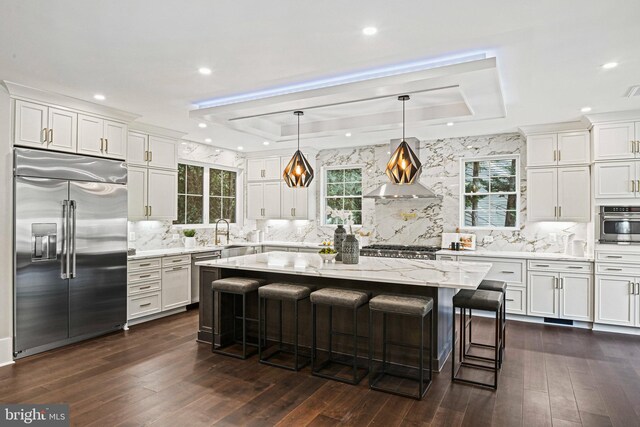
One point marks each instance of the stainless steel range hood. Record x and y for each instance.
(403, 191)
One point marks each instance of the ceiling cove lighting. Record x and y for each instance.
(99, 97)
(403, 166)
(390, 70)
(609, 65)
(298, 172)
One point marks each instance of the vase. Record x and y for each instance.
(189, 242)
(338, 238)
(350, 250)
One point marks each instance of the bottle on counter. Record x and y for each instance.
(338, 238)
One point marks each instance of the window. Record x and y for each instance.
(490, 192)
(194, 182)
(343, 191)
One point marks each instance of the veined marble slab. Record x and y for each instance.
(444, 274)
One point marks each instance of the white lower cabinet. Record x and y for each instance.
(176, 286)
(516, 299)
(560, 295)
(617, 300)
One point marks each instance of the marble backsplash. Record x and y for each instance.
(414, 221)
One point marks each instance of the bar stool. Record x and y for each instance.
(345, 298)
(412, 306)
(495, 286)
(237, 286)
(281, 292)
(476, 300)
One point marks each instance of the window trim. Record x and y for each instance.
(206, 192)
(461, 192)
(323, 191)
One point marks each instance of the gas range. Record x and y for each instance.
(400, 251)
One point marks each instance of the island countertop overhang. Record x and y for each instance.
(444, 274)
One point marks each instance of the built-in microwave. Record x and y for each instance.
(619, 224)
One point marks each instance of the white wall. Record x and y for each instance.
(6, 234)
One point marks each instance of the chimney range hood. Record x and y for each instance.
(415, 190)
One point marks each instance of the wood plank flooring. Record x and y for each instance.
(157, 374)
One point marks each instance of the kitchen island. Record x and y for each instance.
(436, 279)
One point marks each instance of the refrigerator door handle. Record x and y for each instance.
(65, 239)
(72, 238)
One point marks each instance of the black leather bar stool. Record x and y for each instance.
(476, 300)
(412, 306)
(495, 286)
(237, 287)
(348, 299)
(281, 292)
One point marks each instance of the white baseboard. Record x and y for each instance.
(616, 329)
(6, 351)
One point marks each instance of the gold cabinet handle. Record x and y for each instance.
(146, 156)
(150, 156)
(559, 211)
(554, 155)
(50, 135)
(633, 146)
(106, 145)
(638, 185)
(559, 155)
(144, 305)
(101, 144)
(555, 212)
(632, 288)
(44, 135)
(144, 287)
(150, 210)
(633, 186)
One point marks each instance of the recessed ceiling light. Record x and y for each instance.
(609, 65)
(202, 125)
(348, 134)
(99, 97)
(469, 146)
(265, 143)
(240, 148)
(449, 123)
(585, 109)
(207, 140)
(369, 31)
(204, 71)
(217, 150)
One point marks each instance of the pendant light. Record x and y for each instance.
(298, 172)
(403, 166)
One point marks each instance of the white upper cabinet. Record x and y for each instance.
(255, 200)
(100, 137)
(616, 141)
(542, 150)
(616, 180)
(40, 126)
(137, 149)
(574, 194)
(162, 190)
(63, 127)
(163, 153)
(574, 148)
(542, 194)
(137, 193)
(272, 199)
(559, 149)
(294, 202)
(266, 169)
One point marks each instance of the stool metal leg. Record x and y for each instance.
(295, 338)
(313, 337)
(355, 343)
(244, 325)
(421, 362)
(260, 325)
(280, 327)
(330, 332)
(384, 342)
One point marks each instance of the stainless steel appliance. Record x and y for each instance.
(619, 224)
(195, 271)
(400, 251)
(70, 242)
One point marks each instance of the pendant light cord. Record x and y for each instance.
(298, 132)
(403, 101)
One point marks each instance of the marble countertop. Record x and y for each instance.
(518, 255)
(446, 274)
(181, 251)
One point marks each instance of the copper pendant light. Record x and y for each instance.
(403, 166)
(298, 172)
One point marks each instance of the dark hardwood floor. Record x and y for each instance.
(157, 374)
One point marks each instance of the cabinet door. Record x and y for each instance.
(574, 194)
(255, 169)
(542, 298)
(272, 200)
(301, 206)
(164, 153)
(63, 127)
(136, 148)
(115, 144)
(614, 141)
(542, 194)
(576, 299)
(176, 287)
(615, 180)
(272, 168)
(162, 194)
(574, 148)
(30, 124)
(516, 299)
(614, 300)
(288, 201)
(90, 135)
(255, 200)
(136, 192)
(542, 150)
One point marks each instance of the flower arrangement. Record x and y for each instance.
(345, 216)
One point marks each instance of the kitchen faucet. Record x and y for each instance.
(217, 240)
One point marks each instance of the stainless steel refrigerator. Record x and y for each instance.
(70, 241)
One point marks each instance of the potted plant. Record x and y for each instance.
(189, 239)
